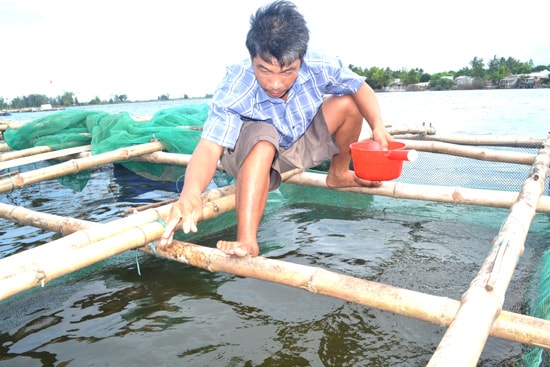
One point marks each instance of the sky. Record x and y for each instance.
(147, 48)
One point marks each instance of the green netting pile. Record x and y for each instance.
(106, 132)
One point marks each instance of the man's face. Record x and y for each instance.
(274, 79)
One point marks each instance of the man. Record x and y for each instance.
(271, 114)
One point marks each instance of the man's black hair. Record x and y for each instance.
(278, 31)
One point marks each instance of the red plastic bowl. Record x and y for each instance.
(373, 164)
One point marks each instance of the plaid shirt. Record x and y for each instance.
(239, 97)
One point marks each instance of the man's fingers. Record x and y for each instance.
(168, 233)
(190, 224)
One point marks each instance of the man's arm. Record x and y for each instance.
(367, 102)
(198, 175)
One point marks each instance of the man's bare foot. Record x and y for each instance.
(350, 179)
(240, 249)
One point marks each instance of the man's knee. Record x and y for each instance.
(264, 148)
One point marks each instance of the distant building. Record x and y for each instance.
(464, 81)
(419, 86)
(523, 80)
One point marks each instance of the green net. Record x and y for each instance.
(540, 308)
(105, 132)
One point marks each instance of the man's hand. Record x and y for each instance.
(187, 211)
(382, 136)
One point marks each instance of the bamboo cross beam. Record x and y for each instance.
(444, 194)
(14, 154)
(485, 140)
(161, 157)
(471, 152)
(76, 165)
(423, 130)
(80, 233)
(482, 302)
(37, 266)
(16, 162)
(4, 147)
(7, 124)
(434, 309)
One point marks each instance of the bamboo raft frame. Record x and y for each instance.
(475, 317)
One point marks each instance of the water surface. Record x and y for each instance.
(138, 310)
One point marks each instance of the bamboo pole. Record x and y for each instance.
(470, 152)
(424, 130)
(76, 165)
(16, 162)
(445, 194)
(434, 309)
(38, 266)
(485, 140)
(9, 174)
(167, 158)
(51, 222)
(34, 267)
(4, 147)
(482, 302)
(6, 124)
(366, 132)
(24, 153)
(438, 310)
(86, 232)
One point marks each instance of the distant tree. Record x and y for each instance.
(378, 78)
(95, 101)
(412, 76)
(121, 98)
(356, 69)
(67, 99)
(3, 104)
(477, 68)
(164, 97)
(17, 102)
(425, 77)
(441, 82)
(540, 68)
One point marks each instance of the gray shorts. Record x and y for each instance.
(314, 147)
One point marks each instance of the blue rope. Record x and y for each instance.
(137, 264)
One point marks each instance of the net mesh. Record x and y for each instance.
(447, 170)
